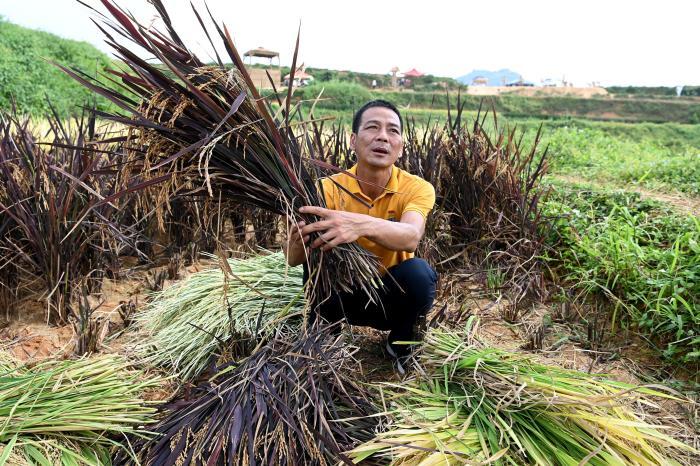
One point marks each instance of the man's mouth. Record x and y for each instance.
(380, 150)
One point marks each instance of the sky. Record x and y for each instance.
(612, 42)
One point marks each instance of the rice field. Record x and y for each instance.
(148, 316)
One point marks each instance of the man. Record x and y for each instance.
(388, 220)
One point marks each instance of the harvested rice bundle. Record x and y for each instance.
(290, 403)
(71, 412)
(197, 318)
(207, 126)
(477, 404)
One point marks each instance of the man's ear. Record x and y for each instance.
(353, 136)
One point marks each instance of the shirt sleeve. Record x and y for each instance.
(421, 199)
(328, 188)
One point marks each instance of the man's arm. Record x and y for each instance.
(341, 227)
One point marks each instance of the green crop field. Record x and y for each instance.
(147, 240)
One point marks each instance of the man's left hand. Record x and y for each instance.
(338, 227)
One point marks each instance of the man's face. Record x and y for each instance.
(378, 142)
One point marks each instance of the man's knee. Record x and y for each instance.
(414, 272)
(417, 281)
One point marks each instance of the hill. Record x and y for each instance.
(28, 77)
(496, 78)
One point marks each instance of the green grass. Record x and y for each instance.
(28, 78)
(594, 154)
(643, 257)
(604, 109)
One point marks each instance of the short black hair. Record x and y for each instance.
(371, 104)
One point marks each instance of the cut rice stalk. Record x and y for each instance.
(475, 405)
(210, 311)
(71, 412)
(207, 126)
(292, 402)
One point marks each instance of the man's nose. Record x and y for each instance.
(383, 134)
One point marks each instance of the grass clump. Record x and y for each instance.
(336, 95)
(640, 255)
(212, 311)
(595, 155)
(70, 412)
(477, 405)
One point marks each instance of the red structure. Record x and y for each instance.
(413, 73)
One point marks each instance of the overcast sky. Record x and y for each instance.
(611, 42)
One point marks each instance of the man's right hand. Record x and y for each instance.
(296, 245)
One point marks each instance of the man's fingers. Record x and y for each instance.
(316, 226)
(331, 244)
(315, 210)
(295, 226)
(323, 239)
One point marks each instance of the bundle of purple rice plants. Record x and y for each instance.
(206, 125)
(292, 402)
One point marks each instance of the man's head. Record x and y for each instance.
(357, 119)
(376, 134)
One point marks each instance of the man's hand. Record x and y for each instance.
(336, 227)
(296, 245)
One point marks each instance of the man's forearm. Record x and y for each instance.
(395, 236)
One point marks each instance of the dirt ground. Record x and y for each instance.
(535, 91)
(30, 339)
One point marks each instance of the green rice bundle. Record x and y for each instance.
(480, 405)
(71, 412)
(197, 318)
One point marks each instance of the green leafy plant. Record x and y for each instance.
(642, 257)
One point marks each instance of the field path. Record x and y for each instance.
(679, 202)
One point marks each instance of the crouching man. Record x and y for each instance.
(386, 217)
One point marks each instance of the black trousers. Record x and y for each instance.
(408, 293)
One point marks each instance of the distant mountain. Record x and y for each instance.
(495, 78)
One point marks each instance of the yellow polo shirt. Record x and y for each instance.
(403, 193)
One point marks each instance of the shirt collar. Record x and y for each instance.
(391, 187)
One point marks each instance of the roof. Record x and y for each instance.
(261, 52)
(300, 73)
(413, 73)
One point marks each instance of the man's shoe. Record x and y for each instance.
(400, 362)
(390, 350)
